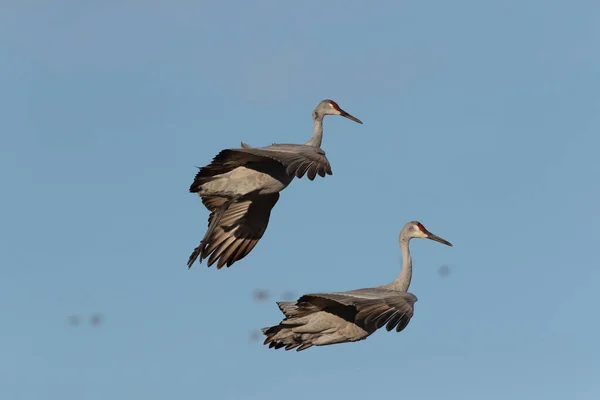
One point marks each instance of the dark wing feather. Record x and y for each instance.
(370, 312)
(298, 160)
(239, 230)
(212, 203)
(324, 302)
(394, 311)
(222, 163)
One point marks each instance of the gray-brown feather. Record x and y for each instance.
(329, 318)
(298, 159)
(226, 161)
(239, 230)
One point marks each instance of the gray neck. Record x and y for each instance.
(317, 137)
(402, 282)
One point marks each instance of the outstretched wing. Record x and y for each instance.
(297, 159)
(371, 309)
(239, 230)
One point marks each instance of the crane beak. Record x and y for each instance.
(438, 239)
(350, 117)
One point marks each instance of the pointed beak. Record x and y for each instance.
(350, 117)
(438, 239)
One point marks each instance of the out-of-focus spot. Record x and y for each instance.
(444, 271)
(287, 296)
(96, 319)
(261, 295)
(74, 320)
(254, 336)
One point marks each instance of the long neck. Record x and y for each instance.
(317, 137)
(402, 282)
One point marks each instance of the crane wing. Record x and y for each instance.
(298, 159)
(370, 309)
(240, 228)
(222, 163)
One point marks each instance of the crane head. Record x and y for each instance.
(415, 229)
(330, 107)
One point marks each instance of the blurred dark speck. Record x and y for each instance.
(255, 336)
(73, 320)
(261, 295)
(444, 271)
(96, 319)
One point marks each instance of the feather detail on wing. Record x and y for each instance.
(225, 161)
(239, 230)
(392, 309)
(298, 160)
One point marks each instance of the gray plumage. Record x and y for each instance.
(321, 319)
(241, 186)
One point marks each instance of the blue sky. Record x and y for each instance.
(481, 120)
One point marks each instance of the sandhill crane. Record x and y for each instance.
(321, 319)
(241, 186)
